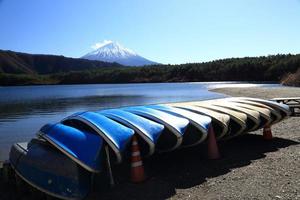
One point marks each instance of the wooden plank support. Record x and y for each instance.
(292, 102)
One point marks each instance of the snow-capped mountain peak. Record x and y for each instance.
(112, 49)
(114, 52)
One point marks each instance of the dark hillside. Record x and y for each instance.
(22, 63)
(26, 69)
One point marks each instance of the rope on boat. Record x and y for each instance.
(111, 178)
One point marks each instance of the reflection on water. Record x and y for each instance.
(12, 111)
(23, 110)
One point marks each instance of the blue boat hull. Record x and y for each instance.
(148, 131)
(175, 126)
(116, 135)
(50, 171)
(82, 146)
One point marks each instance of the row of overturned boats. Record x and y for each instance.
(63, 157)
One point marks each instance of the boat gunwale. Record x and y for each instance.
(261, 110)
(272, 104)
(44, 136)
(107, 139)
(177, 134)
(203, 130)
(135, 128)
(214, 117)
(250, 114)
(274, 112)
(241, 122)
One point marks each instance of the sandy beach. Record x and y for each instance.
(264, 93)
(250, 168)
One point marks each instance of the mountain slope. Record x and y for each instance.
(114, 52)
(292, 79)
(23, 63)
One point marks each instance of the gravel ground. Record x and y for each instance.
(250, 168)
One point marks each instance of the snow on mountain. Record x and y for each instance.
(114, 52)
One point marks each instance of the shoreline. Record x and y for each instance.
(146, 82)
(260, 92)
(250, 168)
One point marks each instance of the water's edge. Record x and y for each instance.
(24, 109)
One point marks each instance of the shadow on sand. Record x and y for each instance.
(167, 172)
(186, 168)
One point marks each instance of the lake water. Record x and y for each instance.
(23, 110)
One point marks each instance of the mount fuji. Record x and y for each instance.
(114, 52)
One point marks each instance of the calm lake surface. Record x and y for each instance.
(23, 110)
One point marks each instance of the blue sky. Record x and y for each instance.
(166, 31)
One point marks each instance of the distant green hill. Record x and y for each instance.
(26, 69)
(22, 63)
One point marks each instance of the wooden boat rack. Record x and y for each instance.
(292, 102)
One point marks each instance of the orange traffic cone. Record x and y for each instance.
(267, 133)
(137, 168)
(213, 150)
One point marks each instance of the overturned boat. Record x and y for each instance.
(198, 127)
(116, 135)
(175, 126)
(148, 131)
(284, 109)
(275, 114)
(253, 116)
(64, 158)
(220, 122)
(47, 169)
(66, 139)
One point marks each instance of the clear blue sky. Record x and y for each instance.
(166, 31)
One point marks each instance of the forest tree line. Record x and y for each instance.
(266, 68)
